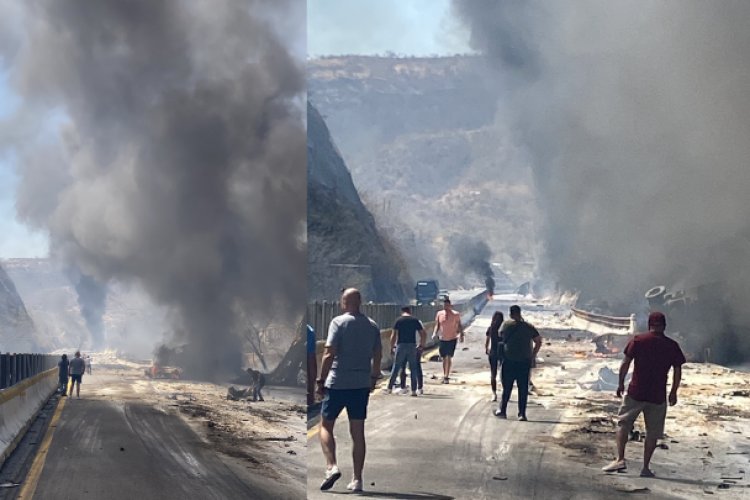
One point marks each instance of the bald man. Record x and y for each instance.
(349, 371)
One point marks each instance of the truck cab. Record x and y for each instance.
(427, 291)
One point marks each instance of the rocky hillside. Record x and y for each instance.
(131, 321)
(345, 247)
(17, 332)
(419, 137)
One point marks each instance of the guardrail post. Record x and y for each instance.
(4, 371)
(13, 368)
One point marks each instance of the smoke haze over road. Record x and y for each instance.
(636, 120)
(164, 143)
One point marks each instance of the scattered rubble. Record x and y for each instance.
(247, 435)
(702, 430)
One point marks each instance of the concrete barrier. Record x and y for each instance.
(19, 405)
(600, 324)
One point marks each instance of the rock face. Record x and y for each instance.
(131, 321)
(420, 139)
(345, 248)
(17, 333)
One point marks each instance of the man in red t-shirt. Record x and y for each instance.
(654, 354)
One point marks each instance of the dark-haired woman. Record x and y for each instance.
(493, 348)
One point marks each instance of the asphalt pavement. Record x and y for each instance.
(124, 449)
(448, 443)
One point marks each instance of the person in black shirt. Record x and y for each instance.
(63, 369)
(404, 347)
(492, 346)
(518, 337)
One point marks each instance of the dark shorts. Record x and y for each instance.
(76, 378)
(354, 400)
(447, 347)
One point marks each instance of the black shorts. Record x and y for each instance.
(76, 378)
(447, 348)
(354, 400)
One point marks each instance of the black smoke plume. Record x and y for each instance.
(472, 256)
(164, 143)
(635, 118)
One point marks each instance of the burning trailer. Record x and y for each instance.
(161, 372)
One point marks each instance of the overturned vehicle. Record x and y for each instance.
(702, 319)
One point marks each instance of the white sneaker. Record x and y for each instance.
(386, 391)
(420, 392)
(355, 486)
(332, 475)
(615, 466)
(404, 391)
(494, 397)
(414, 393)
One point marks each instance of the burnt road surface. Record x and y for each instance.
(124, 449)
(448, 443)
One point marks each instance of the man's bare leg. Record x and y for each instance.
(328, 442)
(648, 451)
(357, 430)
(447, 366)
(623, 432)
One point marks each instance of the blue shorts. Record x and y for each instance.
(76, 378)
(354, 400)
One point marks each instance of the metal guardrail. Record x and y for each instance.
(610, 321)
(320, 314)
(17, 367)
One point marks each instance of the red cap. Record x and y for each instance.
(657, 317)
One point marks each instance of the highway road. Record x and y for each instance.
(448, 443)
(111, 443)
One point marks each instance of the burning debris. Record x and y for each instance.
(473, 257)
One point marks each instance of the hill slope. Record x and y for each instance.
(345, 247)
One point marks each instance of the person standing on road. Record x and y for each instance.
(88, 364)
(77, 369)
(404, 348)
(654, 354)
(312, 365)
(493, 346)
(517, 335)
(448, 323)
(349, 371)
(63, 367)
(258, 381)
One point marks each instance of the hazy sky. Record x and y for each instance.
(16, 240)
(411, 27)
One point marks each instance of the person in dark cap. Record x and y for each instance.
(654, 354)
